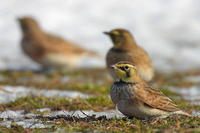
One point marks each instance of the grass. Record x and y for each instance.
(53, 80)
(98, 103)
(176, 79)
(172, 124)
(96, 82)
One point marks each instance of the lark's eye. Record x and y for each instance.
(126, 67)
(121, 68)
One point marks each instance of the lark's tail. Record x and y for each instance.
(182, 113)
(93, 54)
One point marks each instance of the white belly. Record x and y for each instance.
(146, 73)
(138, 111)
(59, 60)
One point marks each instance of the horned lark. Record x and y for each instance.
(49, 50)
(135, 98)
(126, 49)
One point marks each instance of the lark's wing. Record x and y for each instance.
(59, 44)
(155, 98)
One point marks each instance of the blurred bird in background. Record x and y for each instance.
(125, 49)
(49, 50)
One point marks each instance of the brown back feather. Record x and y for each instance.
(155, 98)
(57, 44)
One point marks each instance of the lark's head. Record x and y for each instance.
(120, 37)
(28, 23)
(125, 71)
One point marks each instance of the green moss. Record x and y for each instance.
(36, 102)
(91, 84)
(91, 88)
(95, 82)
(104, 101)
(31, 103)
(171, 124)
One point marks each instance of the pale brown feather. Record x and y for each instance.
(154, 98)
(58, 44)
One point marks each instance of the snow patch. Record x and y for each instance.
(20, 117)
(193, 78)
(43, 109)
(196, 113)
(11, 93)
(168, 30)
(85, 113)
(191, 94)
(65, 79)
(11, 114)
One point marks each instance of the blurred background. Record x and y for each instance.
(168, 30)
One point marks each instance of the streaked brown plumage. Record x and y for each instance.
(47, 49)
(125, 49)
(134, 97)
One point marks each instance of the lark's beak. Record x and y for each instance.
(107, 33)
(113, 66)
(19, 19)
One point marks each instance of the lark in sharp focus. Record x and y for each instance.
(135, 98)
(125, 49)
(47, 49)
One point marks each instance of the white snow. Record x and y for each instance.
(65, 79)
(196, 113)
(31, 123)
(169, 30)
(11, 114)
(10, 93)
(192, 93)
(195, 78)
(43, 109)
(25, 123)
(6, 123)
(18, 117)
(85, 113)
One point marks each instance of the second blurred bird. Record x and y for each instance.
(49, 50)
(125, 49)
